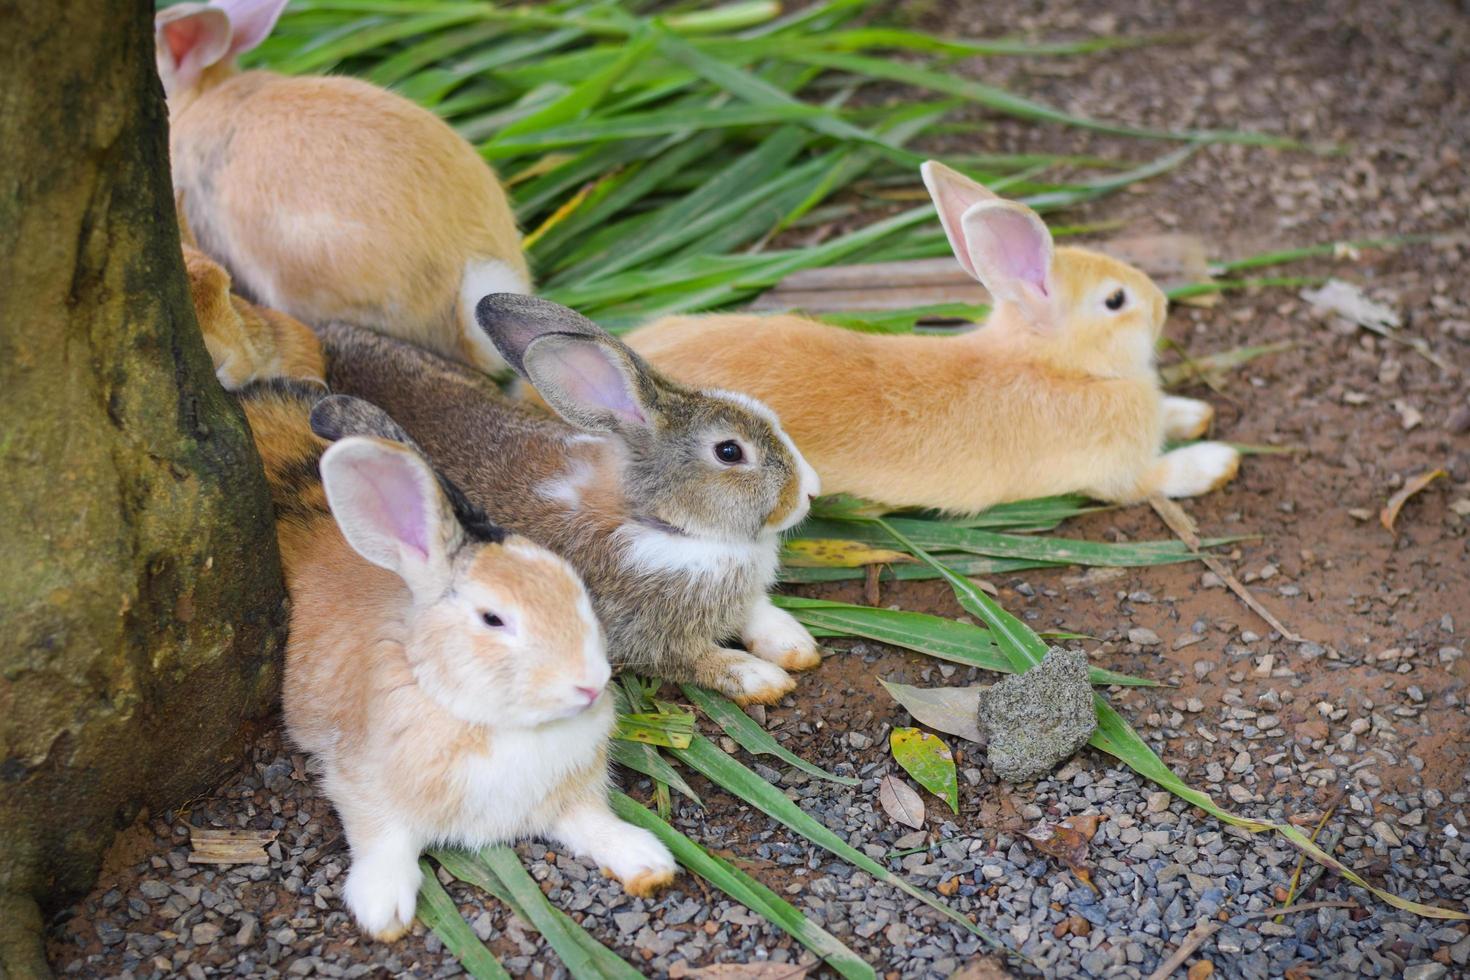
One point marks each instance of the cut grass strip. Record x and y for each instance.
(746, 890)
(438, 911)
(945, 639)
(750, 736)
(647, 760)
(706, 758)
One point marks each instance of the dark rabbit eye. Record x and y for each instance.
(1116, 301)
(491, 620)
(729, 452)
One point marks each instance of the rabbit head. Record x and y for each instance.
(501, 631)
(1076, 307)
(709, 463)
(198, 42)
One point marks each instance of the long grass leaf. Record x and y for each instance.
(704, 757)
(750, 736)
(647, 760)
(745, 890)
(438, 912)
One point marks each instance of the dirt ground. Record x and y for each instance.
(1375, 698)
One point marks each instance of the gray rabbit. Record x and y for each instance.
(670, 501)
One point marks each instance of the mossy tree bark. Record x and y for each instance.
(140, 593)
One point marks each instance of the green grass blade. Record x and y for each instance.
(572, 949)
(437, 911)
(647, 760)
(746, 890)
(583, 97)
(750, 736)
(705, 757)
(637, 124)
(945, 639)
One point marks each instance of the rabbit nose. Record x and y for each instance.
(591, 694)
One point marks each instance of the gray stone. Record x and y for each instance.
(1038, 719)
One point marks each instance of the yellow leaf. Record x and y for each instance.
(1390, 511)
(835, 553)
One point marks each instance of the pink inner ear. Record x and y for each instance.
(586, 372)
(250, 21)
(181, 37)
(1011, 250)
(395, 499)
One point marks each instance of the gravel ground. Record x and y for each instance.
(1367, 720)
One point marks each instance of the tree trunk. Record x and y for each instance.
(140, 592)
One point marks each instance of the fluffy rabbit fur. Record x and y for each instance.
(328, 197)
(1056, 392)
(459, 696)
(677, 547)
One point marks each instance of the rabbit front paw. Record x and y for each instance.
(1198, 469)
(382, 892)
(630, 854)
(750, 680)
(1186, 418)
(775, 635)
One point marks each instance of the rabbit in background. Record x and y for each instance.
(1056, 392)
(327, 197)
(670, 501)
(448, 676)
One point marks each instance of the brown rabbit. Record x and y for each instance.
(670, 501)
(328, 197)
(448, 676)
(1056, 392)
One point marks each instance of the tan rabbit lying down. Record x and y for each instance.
(328, 197)
(448, 676)
(1056, 392)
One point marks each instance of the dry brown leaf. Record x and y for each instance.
(1390, 512)
(1204, 968)
(982, 968)
(900, 802)
(740, 971)
(1067, 842)
(835, 553)
(229, 846)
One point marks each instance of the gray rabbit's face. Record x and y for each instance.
(718, 464)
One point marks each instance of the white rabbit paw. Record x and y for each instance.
(775, 635)
(750, 680)
(1186, 418)
(1198, 469)
(382, 894)
(640, 862)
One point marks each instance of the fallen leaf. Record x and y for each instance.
(949, 709)
(982, 968)
(1348, 301)
(1390, 512)
(207, 846)
(739, 971)
(1068, 842)
(835, 553)
(925, 757)
(900, 802)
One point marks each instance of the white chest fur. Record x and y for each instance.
(651, 551)
(503, 788)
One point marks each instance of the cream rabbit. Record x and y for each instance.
(1056, 392)
(669, 501)
(328, 197)
(448, 676)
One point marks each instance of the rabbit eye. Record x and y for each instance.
(491, 620)
(729, 452)
(1116, 300)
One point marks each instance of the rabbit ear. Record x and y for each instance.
(389, 506)
(592, 383)
(1011, 250)
(590, 378)
(188, 38)
(250, 21)
(954, 194)
(339, 416)
(513, 321)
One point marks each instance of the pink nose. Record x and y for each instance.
(590, 693)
